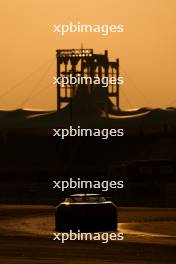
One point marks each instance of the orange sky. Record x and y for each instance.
(146, 49)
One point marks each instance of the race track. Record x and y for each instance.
(27, 237)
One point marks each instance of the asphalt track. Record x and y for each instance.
(26, 236)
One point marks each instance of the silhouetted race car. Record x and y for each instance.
(86, 212)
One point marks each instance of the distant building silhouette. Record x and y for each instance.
(84, 62)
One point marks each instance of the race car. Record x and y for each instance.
(86, 212)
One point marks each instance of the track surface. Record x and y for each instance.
(26, 236)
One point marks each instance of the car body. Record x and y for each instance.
(86, 212)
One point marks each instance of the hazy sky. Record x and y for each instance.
(147, 48)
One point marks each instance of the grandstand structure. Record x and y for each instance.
(87, 105)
